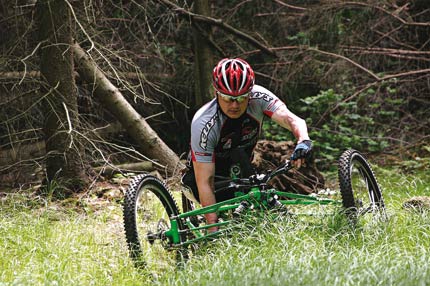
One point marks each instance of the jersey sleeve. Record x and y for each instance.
(203, 139)
(266, 101)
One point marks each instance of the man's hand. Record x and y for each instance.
(301, 153)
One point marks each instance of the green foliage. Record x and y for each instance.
(301, 38)
(337, 123)
(60, 188)
(272, 131)
(417, 163)
(50, 190)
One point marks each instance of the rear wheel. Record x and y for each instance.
(148, 206)
(361, 195)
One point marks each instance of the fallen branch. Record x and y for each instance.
(19, 74)
(21, 150)
(333, 55)
(135, 125)
(110, 170)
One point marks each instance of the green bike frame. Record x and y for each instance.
(152, 216)
(257, 199)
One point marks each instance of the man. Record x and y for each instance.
(229, 125)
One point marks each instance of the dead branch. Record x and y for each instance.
(132, 122)
(394, 14)
(405, 74)
(21, 152)
(19, 74)
(369, 85)
(222, 25)
(394, 53)
(346, 59)
(109, 170)
(35, 74)
(316, 50)
(290, 6)
(385, 50)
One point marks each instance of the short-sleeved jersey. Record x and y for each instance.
(214, 135)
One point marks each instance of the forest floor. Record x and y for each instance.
(268, 155)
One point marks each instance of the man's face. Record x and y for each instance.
(233, 107)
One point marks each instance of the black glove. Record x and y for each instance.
(302, 150)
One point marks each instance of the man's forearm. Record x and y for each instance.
(295, 124)
(207, 198)
(300, 129)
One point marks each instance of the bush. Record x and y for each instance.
(337, 123)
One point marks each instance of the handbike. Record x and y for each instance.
(157, 233)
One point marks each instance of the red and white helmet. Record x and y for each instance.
(233, 77)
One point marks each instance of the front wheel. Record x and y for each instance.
(361, 195)
(148, 207)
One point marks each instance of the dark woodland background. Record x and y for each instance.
(357, 71)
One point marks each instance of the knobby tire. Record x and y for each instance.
(354, 208)
(148, 184)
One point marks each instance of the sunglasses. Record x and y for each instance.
(229, 98)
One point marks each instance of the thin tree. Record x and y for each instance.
(63, 163)
(203, 59)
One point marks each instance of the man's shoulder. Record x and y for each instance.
(259, 88)
(260, 92)
(261, 95)
(263, 100)
(207, 114)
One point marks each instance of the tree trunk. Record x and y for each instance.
(202, 55)
(135, 125)
(63, 162)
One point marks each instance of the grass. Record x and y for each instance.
(45, 243)
(53, 245)
(310, 254)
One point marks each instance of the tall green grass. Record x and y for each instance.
(45, 243)
(51, 245)
(393, 253)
